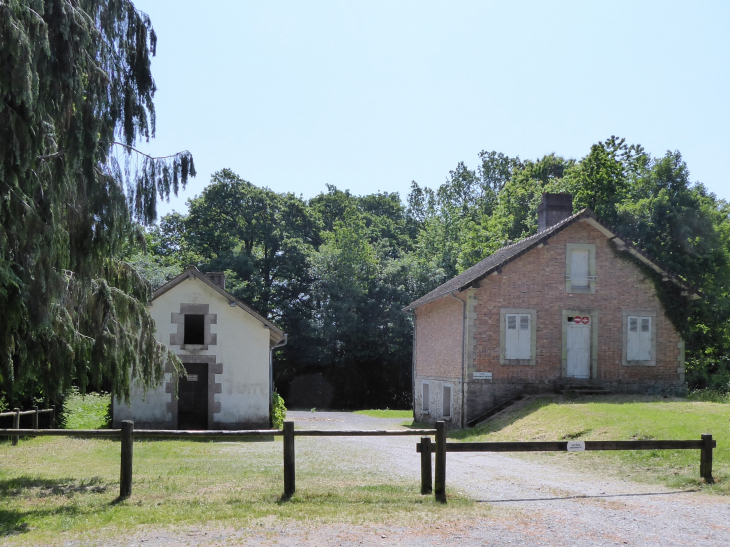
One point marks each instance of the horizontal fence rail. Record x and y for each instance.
(562, 446)
(362, 432)
(127, 434)
(36, 412)
(425, 447)
(705, 445)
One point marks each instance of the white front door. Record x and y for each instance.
(579, 348)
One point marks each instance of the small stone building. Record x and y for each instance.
(226, 350)
(562, 308)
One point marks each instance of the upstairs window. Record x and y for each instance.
(638, 339)
(518, 336)
(194, 330)
(580, 268)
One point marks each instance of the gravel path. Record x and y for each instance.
(532, 503)
(543, 504)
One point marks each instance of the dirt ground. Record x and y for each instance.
(531, 503)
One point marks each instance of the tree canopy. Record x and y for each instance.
(77, 94)
(336, 270)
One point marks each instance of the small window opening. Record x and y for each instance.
(645, 324)
(512, 322)
(571, 319)
(426, 398)
(524, 322)
(633, 324)
(194, 330)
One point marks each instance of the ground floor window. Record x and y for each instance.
(447, 401)
(639, 338)
(426, 397)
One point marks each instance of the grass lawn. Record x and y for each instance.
(387, 413)
(621, 418)
(90, 411)
(55, 490)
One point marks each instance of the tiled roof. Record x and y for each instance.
(503, 256)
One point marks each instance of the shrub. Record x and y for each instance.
(709, 396)
(278, 411)
(90, 411)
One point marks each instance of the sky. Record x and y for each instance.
(369, 96)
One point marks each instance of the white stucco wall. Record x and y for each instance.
(242, 347)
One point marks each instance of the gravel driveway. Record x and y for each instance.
(535, 503)
(531, 503)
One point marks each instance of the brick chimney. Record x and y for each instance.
(553, 208)
(219, 278)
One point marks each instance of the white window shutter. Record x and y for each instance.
(511, 337)
(525, 337)
(645, 339)
(579, 268)
(632, 339)
(447, 401)
(638, 339)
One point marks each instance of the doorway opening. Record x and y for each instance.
(192, 404)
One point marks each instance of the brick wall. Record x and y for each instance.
(439, 338)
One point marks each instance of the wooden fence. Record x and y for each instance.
(127, 434)
(426, 448)
(705, 445)
(35, 413)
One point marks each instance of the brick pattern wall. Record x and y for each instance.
(537, 281)
(439, 339)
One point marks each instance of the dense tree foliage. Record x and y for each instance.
(77, 93)
(335, 271)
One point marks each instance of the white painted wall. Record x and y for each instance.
(242, 347)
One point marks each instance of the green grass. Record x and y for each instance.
(90, 411)
(622, 418)
(56, 490)
(387, 413)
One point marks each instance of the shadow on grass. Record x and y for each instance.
(14, 487)
(14, 522)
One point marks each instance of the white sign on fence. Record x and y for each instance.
(576, 446)
(482, 375)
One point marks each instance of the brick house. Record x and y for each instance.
(561, 308)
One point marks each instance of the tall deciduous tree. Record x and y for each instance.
(76, 94)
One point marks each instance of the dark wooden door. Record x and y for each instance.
(192, 403)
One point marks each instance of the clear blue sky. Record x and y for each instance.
(371, 95)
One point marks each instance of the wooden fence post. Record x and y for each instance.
(16, 425)
(125, 475)
(706, 459)
(440, 479)
(426, 486)
(35, 418)
(289, 465)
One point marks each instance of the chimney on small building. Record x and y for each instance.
(219, 278)
(553, 208)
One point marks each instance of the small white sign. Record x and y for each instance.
(576, 446)
(482, 375)
(192, 377)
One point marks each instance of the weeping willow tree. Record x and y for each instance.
(76, 95)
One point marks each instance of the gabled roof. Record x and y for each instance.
(505, 255)
(275, 333)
